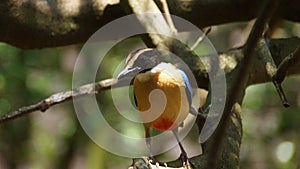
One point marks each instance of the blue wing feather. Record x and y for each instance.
(188, 88)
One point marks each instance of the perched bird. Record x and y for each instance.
(149, 73)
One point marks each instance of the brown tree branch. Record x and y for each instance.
(229, 61)
(40, 24)
(281, 49)
(238, 84)
(60, 97)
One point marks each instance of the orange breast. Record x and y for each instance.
(165, 108)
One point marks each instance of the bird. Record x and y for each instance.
(149, 72)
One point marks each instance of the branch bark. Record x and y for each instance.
(58, 98)
(229, 61)
(281, 50)
(61, 26)
(238, 83)
(40, 23)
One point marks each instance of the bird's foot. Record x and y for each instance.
(185, 161)
(156, 163)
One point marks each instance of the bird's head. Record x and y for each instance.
(140, 61)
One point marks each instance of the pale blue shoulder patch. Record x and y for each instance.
(188, 88)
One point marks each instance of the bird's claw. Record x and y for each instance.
(185, 161)
(187, 165)
(156, 163)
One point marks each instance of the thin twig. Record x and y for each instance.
(286, 64)
(281, 94)
(271, 69)
(281, 73)
(239, 83)
(200, 39)
(60, 97)
(168, 15)
(43, 105)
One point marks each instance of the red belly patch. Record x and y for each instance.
(164, 124)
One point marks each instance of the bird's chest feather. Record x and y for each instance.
(161, 99)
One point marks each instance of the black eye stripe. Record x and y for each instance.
(145, 70)
(131, 55)
(131, 58)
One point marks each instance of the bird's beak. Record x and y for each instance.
(128, 73)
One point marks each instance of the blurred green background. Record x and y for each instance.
(55, 140)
